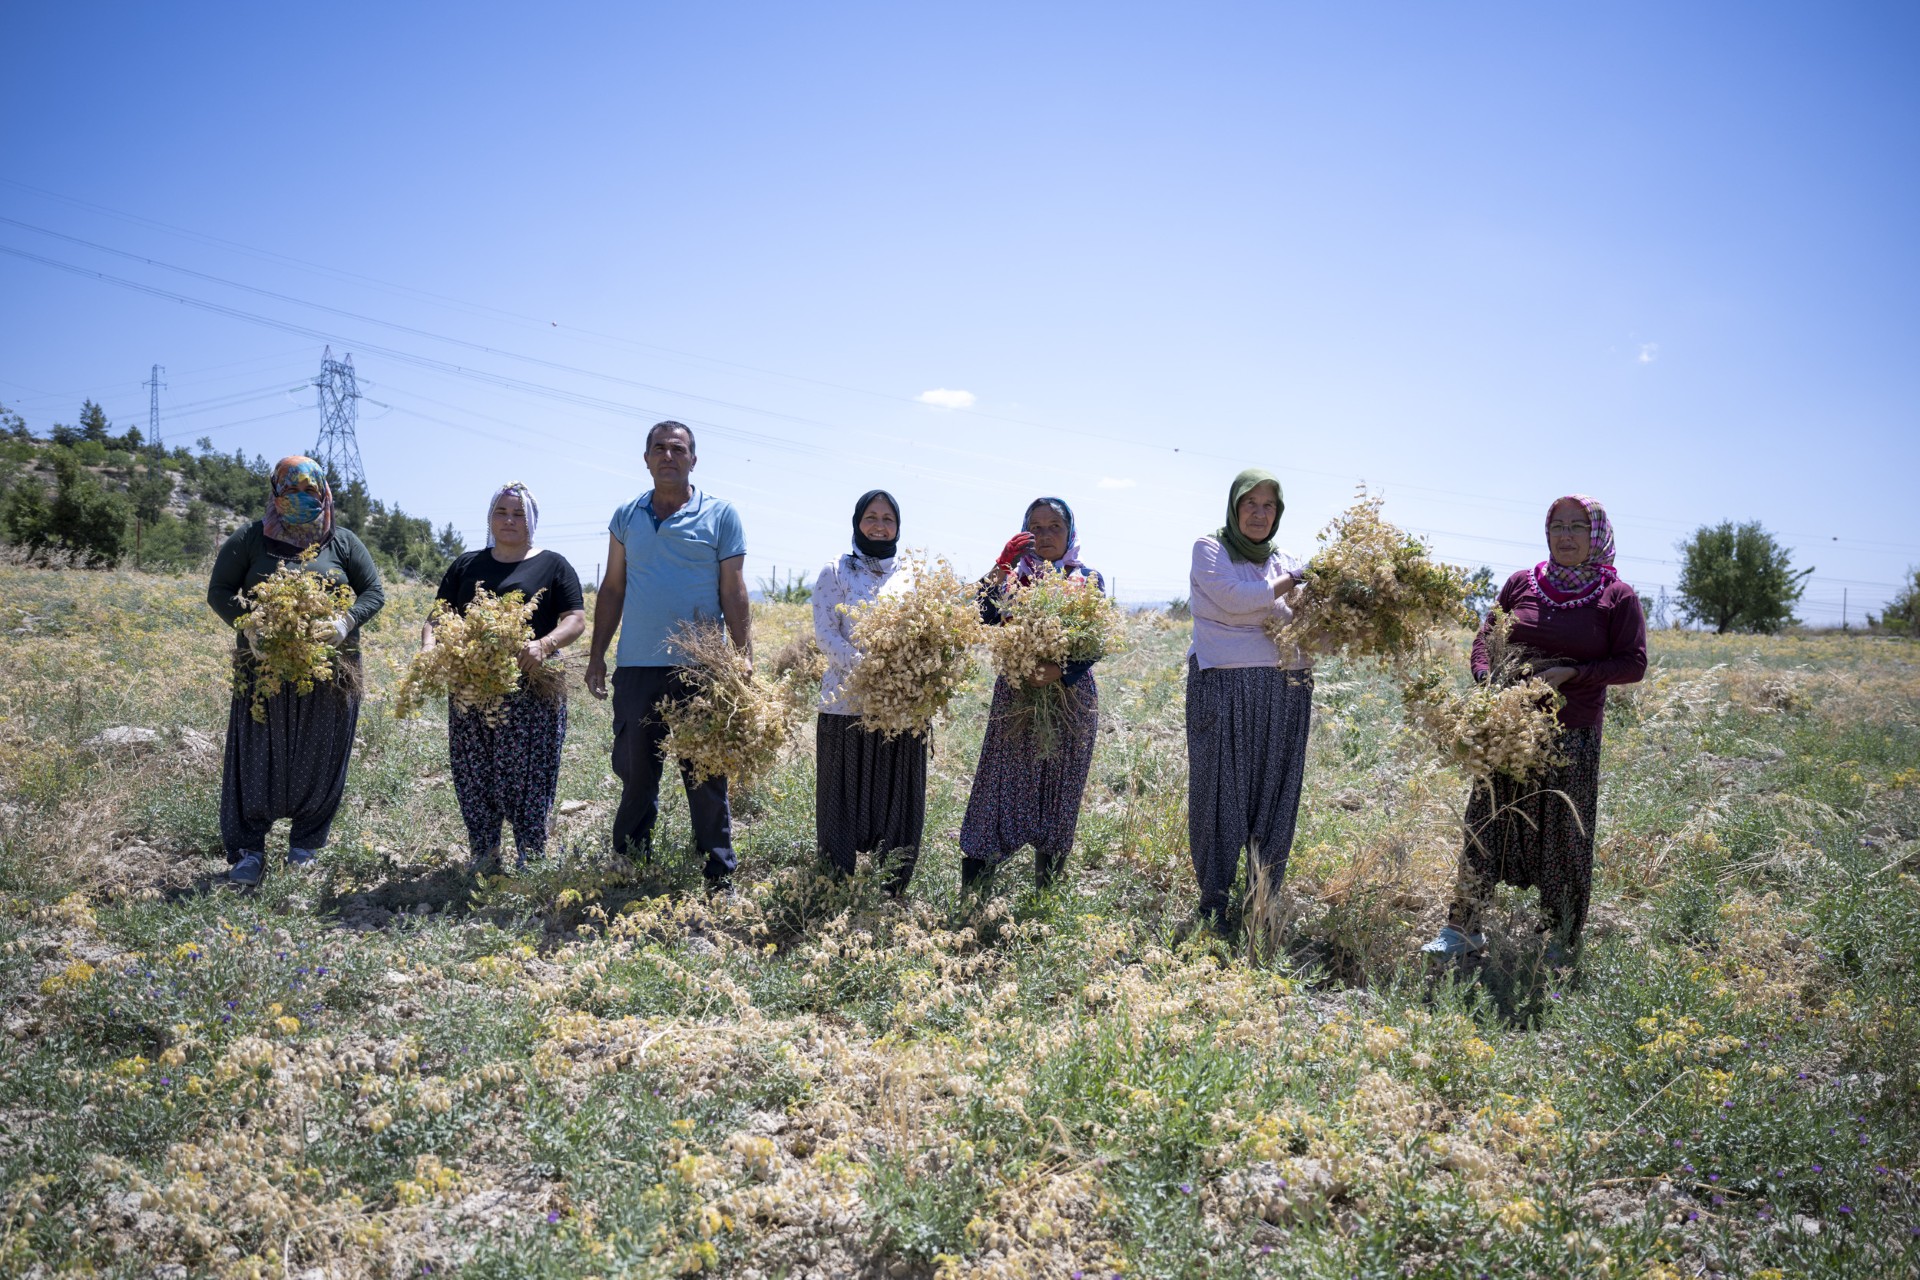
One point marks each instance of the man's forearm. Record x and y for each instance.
(607, 605)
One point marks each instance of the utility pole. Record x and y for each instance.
(155, 386)
(337, 450)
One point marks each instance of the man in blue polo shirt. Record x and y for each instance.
(673, 554)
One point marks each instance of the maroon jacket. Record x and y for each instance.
(1606, 643)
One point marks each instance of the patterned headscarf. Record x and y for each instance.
(1029, 565)
(1239, 546)
(527, 504)
(1578, 585)
(299, 503)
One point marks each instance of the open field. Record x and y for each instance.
(384, 1069)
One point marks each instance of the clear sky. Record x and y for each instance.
(1478, 255)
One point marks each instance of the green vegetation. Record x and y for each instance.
(386, 1068)
(94, 499)
(1738, 578)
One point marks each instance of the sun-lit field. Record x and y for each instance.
(384, 1068)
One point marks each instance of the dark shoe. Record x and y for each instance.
(303, 858)
(975, 873)
(249, 871)
(720, 889)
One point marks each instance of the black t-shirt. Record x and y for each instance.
(546, 571)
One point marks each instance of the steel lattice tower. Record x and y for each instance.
(156, 386)
(337, 450)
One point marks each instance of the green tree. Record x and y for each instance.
(12, 425)
(84, 518)
(1738, 578)
(93, 423)
(1902, 614)
(23, 515)
(450, 544)
(1482, 590)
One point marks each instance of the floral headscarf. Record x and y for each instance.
(300, 505)
(1578, 585)
(1030, 565)
(527, 504)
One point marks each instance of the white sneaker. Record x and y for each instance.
(1452, 942)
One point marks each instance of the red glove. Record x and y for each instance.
(1018, 545)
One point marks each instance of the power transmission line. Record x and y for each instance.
(337, 450)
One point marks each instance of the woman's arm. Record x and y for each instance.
(1212, 579)
(229, 577)
(833, 629)
(363, 575)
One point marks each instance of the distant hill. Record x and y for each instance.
(90, 498)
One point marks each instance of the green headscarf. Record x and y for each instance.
(1239, 546)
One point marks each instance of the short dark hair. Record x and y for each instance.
(671, 425)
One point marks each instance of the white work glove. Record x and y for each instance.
(331, 630)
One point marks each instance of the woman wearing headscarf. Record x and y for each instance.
(508, 771)
(1018, 798)
(1584, 630)
(295, 764)
(1248, 705)
(870, 791)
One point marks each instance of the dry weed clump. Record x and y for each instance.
(288, 626)
(475, 659)
(1057, 619)
(916, 649)
(1373, 590)
(736, 721)
(1508, 725)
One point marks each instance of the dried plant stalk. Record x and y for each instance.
(916, 649)
(1373, 590)
(475, 659)
(1508, 725)
(736, 722)
(288, 627)
(1057, 619)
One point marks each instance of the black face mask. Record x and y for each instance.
(861, 542)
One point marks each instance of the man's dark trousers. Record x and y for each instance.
(637, 734)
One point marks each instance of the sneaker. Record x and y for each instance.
(249, 871)
(305, 858)
(1452, 942)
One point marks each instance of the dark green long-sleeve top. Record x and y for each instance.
(248, 557)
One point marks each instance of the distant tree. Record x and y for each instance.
(132, 441)
(83, 517)
(1482, 591)
(93, 423)
(150, 492)
(1738, 578)
(450, 544)
(13, 426)
(1902, 615)
(64, 434)
(352, 507)
(23, 515)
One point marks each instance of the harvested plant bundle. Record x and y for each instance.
(735, 722)
(1055, 619)
(916, 649)
(288, 626)
(475, 659)
(1508, 725)
(1372, 590)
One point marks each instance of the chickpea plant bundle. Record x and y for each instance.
(475, 659)
(1507, 725)
(736, 721)
(1373, 590)
(1054, 619)
(288, 627)
(916, 647)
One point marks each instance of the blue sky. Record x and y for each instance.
(1478, 255)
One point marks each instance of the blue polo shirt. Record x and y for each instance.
(673, 571)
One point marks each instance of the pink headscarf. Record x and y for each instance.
(1578, 585)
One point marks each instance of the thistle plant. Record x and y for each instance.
(475, 658)
(288, 627)
(916, 649)
(1057, 619)
(1373, 590)
(736, 722)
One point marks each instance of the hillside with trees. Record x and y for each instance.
(90, 497)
